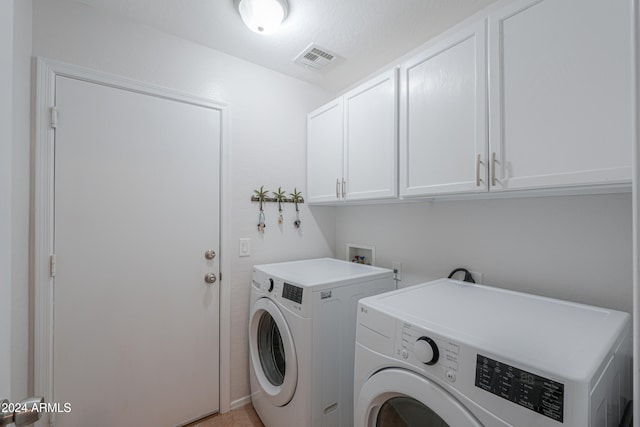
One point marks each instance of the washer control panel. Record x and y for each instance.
(430, 352)
(292, 292)
(287, 295)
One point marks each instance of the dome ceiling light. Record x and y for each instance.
(262, 16)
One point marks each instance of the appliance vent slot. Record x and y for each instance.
(310, 56)
(315, 56)
(322, 53)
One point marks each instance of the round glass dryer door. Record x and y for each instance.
(400, 398)
(271, 350)
(405, 411)
(273, 355)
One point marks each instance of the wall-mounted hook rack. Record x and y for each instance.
(260, 196)
(274, 200)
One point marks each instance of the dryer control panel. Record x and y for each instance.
(532, 391)
(424, 349)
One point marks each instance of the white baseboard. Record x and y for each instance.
(239, 403)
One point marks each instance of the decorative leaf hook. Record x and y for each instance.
(280, 197)
(261, 195)
(295, 196)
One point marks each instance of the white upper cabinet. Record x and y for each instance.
(534, 95)
(561, 93)
(352, 145)
(371, 139)
(325, 153)
(443, 117)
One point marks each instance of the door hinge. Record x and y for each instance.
(52, 265)
(54, 117)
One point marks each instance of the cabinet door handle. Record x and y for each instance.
(337, 188)
(344, 192)
(493, 169)
(478, 180)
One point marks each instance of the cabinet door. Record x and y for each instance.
(561, 93)
(371, 139)
(324, 153)
(443, 110)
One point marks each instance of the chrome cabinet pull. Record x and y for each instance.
(478, 180)
(344, 192)
(337, 188)
(493, 169)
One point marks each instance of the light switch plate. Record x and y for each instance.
(245, 247)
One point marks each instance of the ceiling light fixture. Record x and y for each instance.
(262, 16)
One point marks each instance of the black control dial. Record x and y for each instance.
(269, 285)
(426, 350)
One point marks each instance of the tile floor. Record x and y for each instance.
(241, 417)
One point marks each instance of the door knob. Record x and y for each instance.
(24, 413)
(210, 278)
(210, 254)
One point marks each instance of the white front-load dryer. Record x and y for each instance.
(275, 351)
(449, 353)
(301, 339)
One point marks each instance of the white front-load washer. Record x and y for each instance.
(302, 321)
(449, 353)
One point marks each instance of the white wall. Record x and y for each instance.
(268, 134)
(20, 199)
(576, 248)
(6, 135)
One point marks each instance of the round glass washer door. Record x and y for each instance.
(273, 354)
(399, 398)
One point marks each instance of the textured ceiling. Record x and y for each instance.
(365, 34)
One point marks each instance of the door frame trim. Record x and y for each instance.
(43, 198)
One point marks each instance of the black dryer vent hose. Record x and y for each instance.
(467, 275)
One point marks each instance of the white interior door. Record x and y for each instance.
(136, 328)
